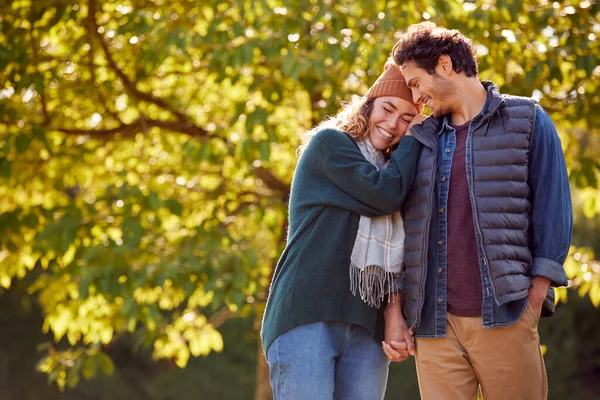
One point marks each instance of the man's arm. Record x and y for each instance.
(551, 214)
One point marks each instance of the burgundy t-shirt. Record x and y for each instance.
(464, 279)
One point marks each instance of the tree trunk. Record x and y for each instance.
(263, 387)
(5, 378)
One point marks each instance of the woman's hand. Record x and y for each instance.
(398, 344)
(418, 119)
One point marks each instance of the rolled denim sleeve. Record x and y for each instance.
(552, 214)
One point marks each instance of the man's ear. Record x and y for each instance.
(444, 65)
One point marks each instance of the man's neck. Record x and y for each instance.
(473, 96)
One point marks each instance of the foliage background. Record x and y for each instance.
(146, 152)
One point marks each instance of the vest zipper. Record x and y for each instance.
(476, 215)
(425, 249)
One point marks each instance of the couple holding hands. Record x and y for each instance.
(437, 237)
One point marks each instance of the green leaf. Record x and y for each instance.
(105, 363)
(72, 378)
(5, 168)
(265, 150)
(22, 143)
(90, 367)
(174, 206)
(153, 201)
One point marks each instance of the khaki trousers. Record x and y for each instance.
(506, 362)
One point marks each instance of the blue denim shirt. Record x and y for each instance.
(551, 228)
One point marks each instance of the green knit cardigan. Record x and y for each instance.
(333, 186)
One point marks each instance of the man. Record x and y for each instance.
(488, 226)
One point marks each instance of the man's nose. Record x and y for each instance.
(416, 97)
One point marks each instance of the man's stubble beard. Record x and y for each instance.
(445, 93)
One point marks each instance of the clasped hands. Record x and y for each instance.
(398, 344)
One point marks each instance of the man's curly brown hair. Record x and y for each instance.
(424, 43)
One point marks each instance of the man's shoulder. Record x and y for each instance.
(495, 93)
(521, 107)
(426, 132)
(513, 100)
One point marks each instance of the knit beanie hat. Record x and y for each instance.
(390, 83)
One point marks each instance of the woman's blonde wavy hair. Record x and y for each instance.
(353, 119)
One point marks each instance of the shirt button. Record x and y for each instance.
(447, 150)
(443, 179)
(441, 210)
(440, 270)
(440, 300)
(440, 242)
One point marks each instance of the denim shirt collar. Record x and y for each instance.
(492, 102)
(432, 128)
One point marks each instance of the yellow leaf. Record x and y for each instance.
(69, 255)
(561, 295)
(216, 341)
(97, 231)
(196, 347)
(183, 355)
(28, 260)
(595, 294)
(114, 233)
(5, 281)
(131, 325)
(73, 337)
(106, 334)
(589, 207)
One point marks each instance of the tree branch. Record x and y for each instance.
(142, 125)
(165, 74)
(274, 183)
(219, 318)
(93, 74)
(45, 112)
(127, 82)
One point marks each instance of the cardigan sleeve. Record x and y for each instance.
(369, 191)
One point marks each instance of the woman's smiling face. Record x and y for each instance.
(389, 120)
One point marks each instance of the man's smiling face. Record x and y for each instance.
(433, 90)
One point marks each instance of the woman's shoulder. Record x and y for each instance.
(334, 138)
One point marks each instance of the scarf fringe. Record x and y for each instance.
(373, 282)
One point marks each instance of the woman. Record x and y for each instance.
(339, 275)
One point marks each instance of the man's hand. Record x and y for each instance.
(398, 344)
(537, 294)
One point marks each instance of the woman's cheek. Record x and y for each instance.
(402, 127)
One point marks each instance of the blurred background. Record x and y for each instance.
(146, 153)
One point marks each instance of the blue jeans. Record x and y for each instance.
(327, 360)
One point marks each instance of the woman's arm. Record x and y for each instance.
(380, 192)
